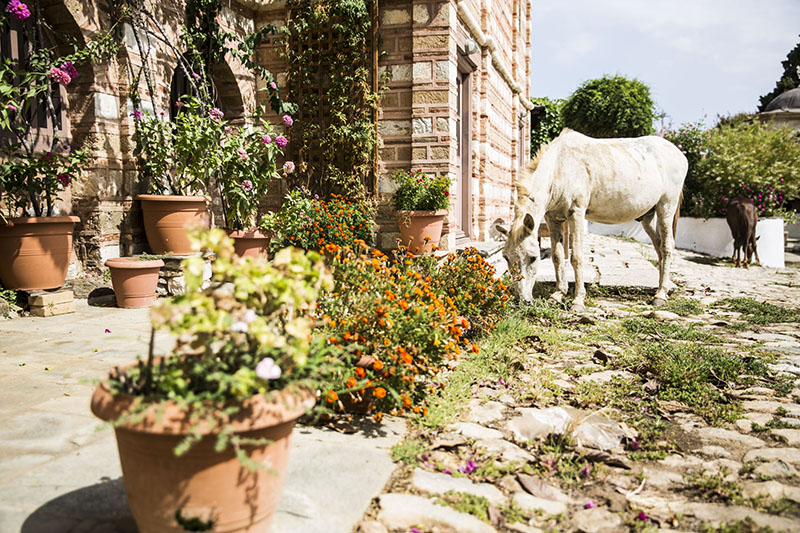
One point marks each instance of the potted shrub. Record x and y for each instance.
(249, 165)
(135, 280)
(35, 237)
(203, 434)
(421, 203)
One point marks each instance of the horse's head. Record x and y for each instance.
(522, 251)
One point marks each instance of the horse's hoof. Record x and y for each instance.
(557, 296)
(577, 309)
(659, 302)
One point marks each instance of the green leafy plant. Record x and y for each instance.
(416, 191)
(547, 122)
(31, 176)
(309, 222)
(611, 106)
(247, 331)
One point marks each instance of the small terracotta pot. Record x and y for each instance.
(167, 220)
(35, 251)
(250, 243)
(134, 280)
(202, 483)
(415, 226)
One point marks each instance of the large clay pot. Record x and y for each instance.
(167, 220)
(250, 243)
(134, 280)
(202, 484)
(35, 251)
(415, 226)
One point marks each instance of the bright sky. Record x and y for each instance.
(697, 56)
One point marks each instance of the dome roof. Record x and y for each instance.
(788, 101)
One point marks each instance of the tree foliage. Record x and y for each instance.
(611, 106)
(547, 122)
(788, 80)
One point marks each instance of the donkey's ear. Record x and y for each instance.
(529, 223)
(501, 230)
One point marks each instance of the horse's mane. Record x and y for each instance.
(522, 182)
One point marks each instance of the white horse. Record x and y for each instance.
(575, 178)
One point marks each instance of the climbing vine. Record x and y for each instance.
(327, 47)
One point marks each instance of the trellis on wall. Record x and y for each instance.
(331, 75)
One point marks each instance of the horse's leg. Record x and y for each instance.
(652, 232)
(576, 235)
(665, 212)
(558, 246)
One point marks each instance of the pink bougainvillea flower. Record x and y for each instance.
(267, 139)
(70, 69)
(195, 75)
(64, 179)
(272, 85)
(281, 141)
(11, 107)
(247, 185)
(179, 104)
(267, 369)
(288, 167)
(58, 75)
(287, 120)
(136, 114)
(18, 10)
(589, 505)
(242, 153)
(216, 114)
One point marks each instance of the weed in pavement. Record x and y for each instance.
(762, 313)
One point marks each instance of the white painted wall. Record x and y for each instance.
(710, 236)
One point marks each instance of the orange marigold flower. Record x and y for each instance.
(377, 416)
(403, 305)
(351, 382)
(377, 365)
(386, 342)
(331, 396)
(407, 402)
(407, 359)
(333, 340)
(360, 373)
(416, 409)
(475, 348)
(379, 392)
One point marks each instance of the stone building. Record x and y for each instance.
(456, 104)
(783, 110)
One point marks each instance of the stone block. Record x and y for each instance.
(419, 153)
(440, 152)
(401, 72)
(443, 70)
(404, 44)
(421, 14)
(45, 298)
(429, 97)
(422, 125)
(443, 125)
(430, 42)
(423, 70)
(62, 308)
(389, 128)
(106, 106)
(392, 17)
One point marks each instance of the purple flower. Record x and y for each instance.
(287, 120)
(447, 471)
(586, 471)
(18, 10)
(468, 467)
(108, 330)
(267, 139)
(272, 85)
(136, 114)
(70, 69)
(267, 369)
(243, 153)
(281, 141)
(179, 104)
(414, 530)
(216, 114)
(288, 167)
(58, 75)
(64, 179)
(589, 505)
(12, 107)
(641, 516)
(195, 75)
(247, 185)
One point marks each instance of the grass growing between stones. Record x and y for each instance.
(477, 506)
(495, 360)
(408, 451)
(684, 306)
(761, 313)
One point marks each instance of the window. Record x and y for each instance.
(16, 45)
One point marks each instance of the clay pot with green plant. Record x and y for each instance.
(421, 203)
(203, 434)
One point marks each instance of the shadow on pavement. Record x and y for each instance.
(100, 508)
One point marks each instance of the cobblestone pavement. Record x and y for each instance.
(505, 465)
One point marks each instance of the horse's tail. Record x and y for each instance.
(677, 216)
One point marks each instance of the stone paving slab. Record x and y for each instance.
(59, 469)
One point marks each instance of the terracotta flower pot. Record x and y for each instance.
(167, 220)
(35, 251)
(202, 483)
(415, 226)
(134, 280)
(250, 243)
